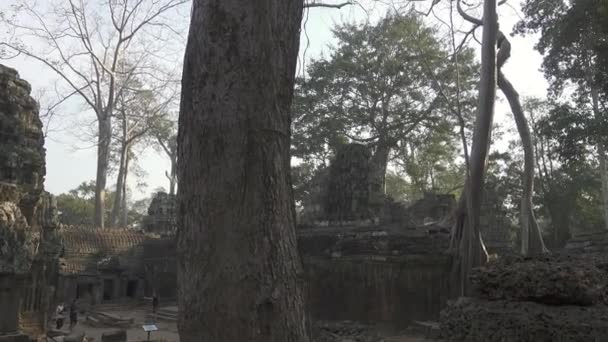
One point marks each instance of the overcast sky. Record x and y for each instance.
(70, 160)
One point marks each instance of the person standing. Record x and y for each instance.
(59, 316)
(154, 303)
(73, 315)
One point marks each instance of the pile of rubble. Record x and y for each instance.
(556, 298)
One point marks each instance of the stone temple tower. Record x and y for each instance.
(28, 248)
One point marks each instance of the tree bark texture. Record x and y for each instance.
(470, 251)
(124, 212)
(240, 277)
(118, 193)
(601, 151)
(103, 156)
(379, 162)
(173, 174)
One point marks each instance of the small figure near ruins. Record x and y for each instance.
(73, 314)
(59, 316)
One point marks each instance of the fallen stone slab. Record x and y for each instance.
(479, 320)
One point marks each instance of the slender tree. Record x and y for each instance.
(572, 40)
(139, 113)
(238, 267)
(531, 236)
(466, 241)
(83, 43)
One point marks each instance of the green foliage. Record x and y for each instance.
(572, 40)
(301, 178)
(567, 177)
(397, 187)
(77, 206)
(391, 86)
(381, 82)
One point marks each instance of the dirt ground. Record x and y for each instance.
(168, 330)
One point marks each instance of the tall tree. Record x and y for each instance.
(532, 239)
(466, 238)
(140, 112)
(384, 85)
(572, 40)
(83, 43)
(238, 266)
(568, 169)
(165, 134)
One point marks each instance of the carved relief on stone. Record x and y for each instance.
(18, 243)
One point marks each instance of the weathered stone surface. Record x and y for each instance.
(21, 142)
(74, 337)
(374, 275)
(545, 280)
(161, 217)
(18, 243)
(14, 338)
(595, 242)
(478, 320)
(350, 194)
(344, 331)
(114, 336)
(27, 213)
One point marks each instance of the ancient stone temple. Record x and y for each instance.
(367, 258)
(112, 265)
(161, 215)
(28, 218)
(345, 192)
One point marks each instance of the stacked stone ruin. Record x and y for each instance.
(161, 217)
(551, 298)
(367, 258)
(28, 217)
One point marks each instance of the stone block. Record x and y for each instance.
(114, 336)
(74, 337)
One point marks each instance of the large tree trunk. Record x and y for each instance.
(238, 266)
(380, 163)
(470, 250)
(601, 151)
(103, 156)
(122, 169)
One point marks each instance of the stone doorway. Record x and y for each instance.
(132, 286)
(108, 289)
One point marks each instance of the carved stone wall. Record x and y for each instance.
(348, 193)
(28, 253)
(161, 217)
(375, 275)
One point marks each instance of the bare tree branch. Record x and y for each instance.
(314, 4)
